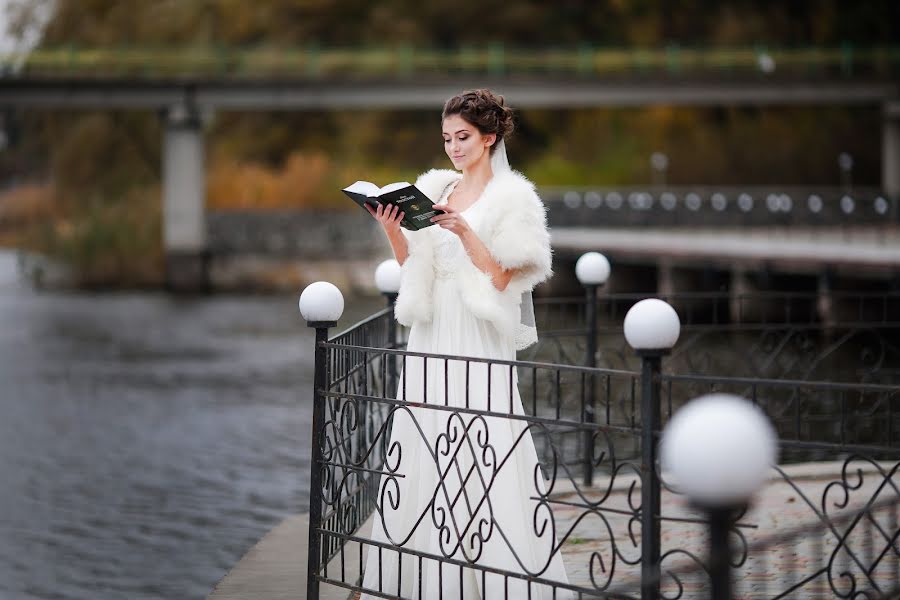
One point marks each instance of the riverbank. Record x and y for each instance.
(227, 274)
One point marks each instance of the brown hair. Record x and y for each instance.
(485, 110)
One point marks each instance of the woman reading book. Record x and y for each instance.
(465, 482)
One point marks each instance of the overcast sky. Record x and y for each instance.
(7, 44)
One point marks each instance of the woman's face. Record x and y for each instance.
(464, 144)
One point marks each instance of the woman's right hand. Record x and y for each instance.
(389, 218)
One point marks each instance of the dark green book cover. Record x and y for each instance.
(415, 205)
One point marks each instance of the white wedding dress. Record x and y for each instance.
(445, 461)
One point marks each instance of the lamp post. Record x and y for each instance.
(321, 305)
(660, 164)
(718, 449)
(592, 270)
(387, 279)
(845, 164)
(651, 327)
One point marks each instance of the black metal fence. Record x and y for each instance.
(853, 555)
(849, 336)
(598, 500)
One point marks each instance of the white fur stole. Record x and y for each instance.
(514, 229)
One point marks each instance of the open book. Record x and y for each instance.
(415, 205)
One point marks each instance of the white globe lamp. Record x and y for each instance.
(718, 449)
(652, 325)
(387, 277)
(592, 268)
(321, 304)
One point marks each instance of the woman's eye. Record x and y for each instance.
(462, 139)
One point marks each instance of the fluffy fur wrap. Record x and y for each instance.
(513, 226)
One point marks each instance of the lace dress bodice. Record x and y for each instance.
(448, 249)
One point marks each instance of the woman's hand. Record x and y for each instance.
(389, 218)
(450, 219)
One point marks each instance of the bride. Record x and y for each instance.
(457, 504)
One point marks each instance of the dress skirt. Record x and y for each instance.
(462, 486)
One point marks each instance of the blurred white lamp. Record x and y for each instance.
(321, 302)
(592, 268)
(718, 449)
(766, 62)
(387, 277)
(652, 324)
(660, 164)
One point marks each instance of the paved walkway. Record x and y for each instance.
(778, 508)
(275, 568)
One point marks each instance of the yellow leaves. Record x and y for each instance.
(26, 204)
(303, 182)
(106, 243)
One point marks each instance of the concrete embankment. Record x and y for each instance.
(275, 568)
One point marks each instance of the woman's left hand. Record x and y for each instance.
(450, 219)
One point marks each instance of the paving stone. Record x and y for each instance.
(776, 509)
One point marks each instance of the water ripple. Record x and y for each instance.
(146, 442)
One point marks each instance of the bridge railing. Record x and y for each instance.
(860, 214)
(401, 61)
(744, 206)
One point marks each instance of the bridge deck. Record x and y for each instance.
(799, 249)
(426, 93)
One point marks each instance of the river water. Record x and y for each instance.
(146, 441)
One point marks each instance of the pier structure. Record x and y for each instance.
(823, 518)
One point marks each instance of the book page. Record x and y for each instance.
(365, 188)
(399, 185)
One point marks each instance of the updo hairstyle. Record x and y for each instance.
(485, 110)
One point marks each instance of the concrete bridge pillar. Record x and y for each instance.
(825, 302)
(746, 304)
(184, 193)
(890, 150)
(673, 280)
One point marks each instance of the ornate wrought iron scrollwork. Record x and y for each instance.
(364, 469)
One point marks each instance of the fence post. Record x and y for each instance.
(321, 304)
(592, 271)
(651, 328)
(719, 552)
(651, 361)
(392, 343)
(589, 402)
(388, 275)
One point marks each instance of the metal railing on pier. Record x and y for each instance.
(602, 503)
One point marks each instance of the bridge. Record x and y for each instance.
(184, 84)
(666, 239)
(404, 77)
